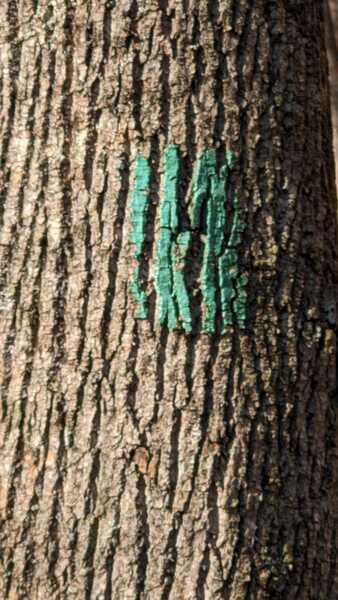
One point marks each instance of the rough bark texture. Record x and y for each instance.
(332, 44)
(139, 463)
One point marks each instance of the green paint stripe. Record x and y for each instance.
(165, 305)
(215, 230)
(218, 269)
(220, 272)
(139, 212)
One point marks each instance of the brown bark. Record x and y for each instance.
(138, 463)
(332, 46)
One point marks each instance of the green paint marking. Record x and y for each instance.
(208, 273)
(220, 268)
(139, 211)
(180, 250)
(169, 215)
(220, 273)
(215, 231)
(165, 304)
(172, 304)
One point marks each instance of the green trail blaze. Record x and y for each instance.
(221, 282)
(215, 228)
(165, 304)
(139, 211)
(220, 262)
(172, 303)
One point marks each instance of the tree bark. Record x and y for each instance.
(155, 447)
(332, 45)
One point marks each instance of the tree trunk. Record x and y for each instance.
(168, 301)
(332, 44)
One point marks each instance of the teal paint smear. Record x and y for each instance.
(208, 273)
(180, 250)
(139, 211)
(221, 280)
(220, 266)
(215, 231)
(165, 304)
